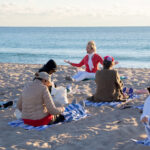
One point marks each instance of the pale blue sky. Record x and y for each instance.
(74, 13)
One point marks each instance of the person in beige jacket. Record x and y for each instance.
(108, 84)
(36, 103)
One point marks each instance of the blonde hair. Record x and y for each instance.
(92, 45)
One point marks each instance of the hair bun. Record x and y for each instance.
(36, 74)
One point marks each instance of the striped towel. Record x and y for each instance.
(112, 104)
(73, 112)
(95, 104)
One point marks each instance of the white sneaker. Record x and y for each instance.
(69, 78)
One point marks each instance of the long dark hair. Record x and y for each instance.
(50, 65)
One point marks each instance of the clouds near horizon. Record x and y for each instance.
(74, 13)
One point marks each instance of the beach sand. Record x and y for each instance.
(106, 129)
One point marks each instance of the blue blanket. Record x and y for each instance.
(144, 142)
(112, 104)
(72, 112)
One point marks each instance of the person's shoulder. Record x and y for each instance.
(43, 88)
(86, 56)
(114, 71)
(99, 71)
(27, 84)
(96, 55)
(38, 84)
(41, 69)
(42, 85)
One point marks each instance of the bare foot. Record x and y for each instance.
(144, 120)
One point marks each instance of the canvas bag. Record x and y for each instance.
(18, 114)
(59, 95)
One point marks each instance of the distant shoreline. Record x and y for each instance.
(74, 26)
(3, 63)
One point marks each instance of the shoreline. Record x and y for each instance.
(93, 132)
(70, 65)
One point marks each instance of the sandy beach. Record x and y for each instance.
(106, 129)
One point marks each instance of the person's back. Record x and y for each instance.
(32, 99)
(36, 103)
(106, 86)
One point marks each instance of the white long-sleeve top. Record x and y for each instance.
(146, 109)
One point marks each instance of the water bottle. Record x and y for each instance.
(123, 77)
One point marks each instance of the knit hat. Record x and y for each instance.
(109, 58)
(43, 75)
(51, 64)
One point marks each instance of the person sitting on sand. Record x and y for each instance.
(108, 84)
(91, 61)
(50, 67)
(145, 117)
(36, 103)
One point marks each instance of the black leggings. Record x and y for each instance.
(57, 119)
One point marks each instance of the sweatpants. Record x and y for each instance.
(81, 75)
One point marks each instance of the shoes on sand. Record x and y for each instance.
(7, 104)
(69, 78)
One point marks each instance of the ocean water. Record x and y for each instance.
(36, 45)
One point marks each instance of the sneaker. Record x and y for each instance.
(69, 78)
(10, 103)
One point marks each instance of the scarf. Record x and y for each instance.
(90, 63)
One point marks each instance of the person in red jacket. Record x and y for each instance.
(91, 61)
